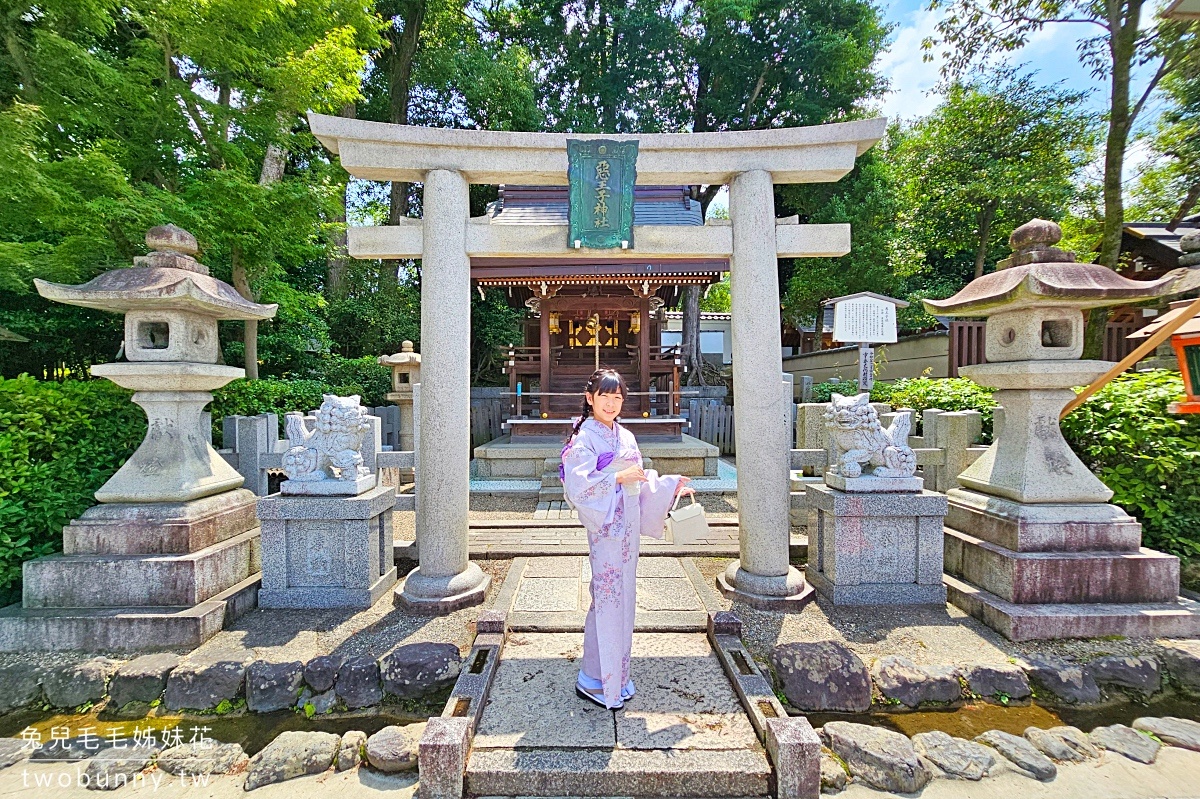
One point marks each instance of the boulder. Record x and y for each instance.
(822, 676)
(321, 672)
(900, 679)
(20, 685)
(273, 686)
(414, 670)
(1052, 746)
(993, 680)
(115, 768)
(1140, 674)
(350, 749)
(1076, 739)
(142, 679)
(203, 684)
(833, 776)
(293, 754)
(209, 757)
(1062, 680)
(322, 703)
(358, 683)
(71, 750)
(78, 683)
(12, 751)
(1021, 754)
(881, 758)
(956, 757)
(1182, 660)
(1126, 741)
(1170, 730)
(394, 748)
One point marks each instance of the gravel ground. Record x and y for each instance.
(927, 635)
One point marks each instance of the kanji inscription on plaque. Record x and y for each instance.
(864, 320)
(601, 174)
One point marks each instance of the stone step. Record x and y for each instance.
(119, 581)
(618, 772)
(1062, 577)
(1179, 618)
(124, 629)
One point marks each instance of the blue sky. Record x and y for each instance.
(1052, 53)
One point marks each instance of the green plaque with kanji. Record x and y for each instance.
(601, 174)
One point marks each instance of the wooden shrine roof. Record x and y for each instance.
(547, 205)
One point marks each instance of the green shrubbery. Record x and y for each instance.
(949, 394)
(1148, 457)
(59, 442)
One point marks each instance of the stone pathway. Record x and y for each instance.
(552, 594)
(555, 510)
(684, 733)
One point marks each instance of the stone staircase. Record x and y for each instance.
(684, 734)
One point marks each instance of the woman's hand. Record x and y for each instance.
(633, 474)
(683, 489)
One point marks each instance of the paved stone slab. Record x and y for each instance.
(660, 567)
(661, 593)
(532, 702)
(547, 594)
(556, 566)
(621, 772)
(684, 700)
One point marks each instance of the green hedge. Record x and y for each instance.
(59, 442)
(1148, 457)
(948, 394)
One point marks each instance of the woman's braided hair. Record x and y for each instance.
(602, 381)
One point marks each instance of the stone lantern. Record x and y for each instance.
(172, 306)
(1032, 548)
(175, 537)
(406, 373)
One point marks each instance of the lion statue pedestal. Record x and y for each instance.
(877, 539)
(327, 536)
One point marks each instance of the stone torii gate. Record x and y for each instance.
(446, 238)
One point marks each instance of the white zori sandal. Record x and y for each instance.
(592, 689)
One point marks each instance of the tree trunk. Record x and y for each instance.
(339, 260)
(241, 282)
(400, 57)
(985, 227)
(690, 346)
(274, 163)
(1122, 45)
(1189, 202)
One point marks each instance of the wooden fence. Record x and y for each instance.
(713, 422)
(966, 345)
(488, 416)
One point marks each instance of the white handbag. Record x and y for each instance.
(686, 525)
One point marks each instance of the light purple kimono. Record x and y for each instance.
(614, 516)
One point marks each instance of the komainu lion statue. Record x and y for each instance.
(333, 444)
(859, 438)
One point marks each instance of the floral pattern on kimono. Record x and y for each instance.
(615, 517)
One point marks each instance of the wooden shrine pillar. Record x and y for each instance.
(643, 345)
(544, 355)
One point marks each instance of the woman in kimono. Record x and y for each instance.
(617, 501)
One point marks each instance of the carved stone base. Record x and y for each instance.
(442, 595)
(869, 484)
(328, 488)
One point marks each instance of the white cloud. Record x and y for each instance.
(912, 78)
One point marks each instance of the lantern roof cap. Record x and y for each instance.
(404, 357)
(169, 278)
(1038, 274)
